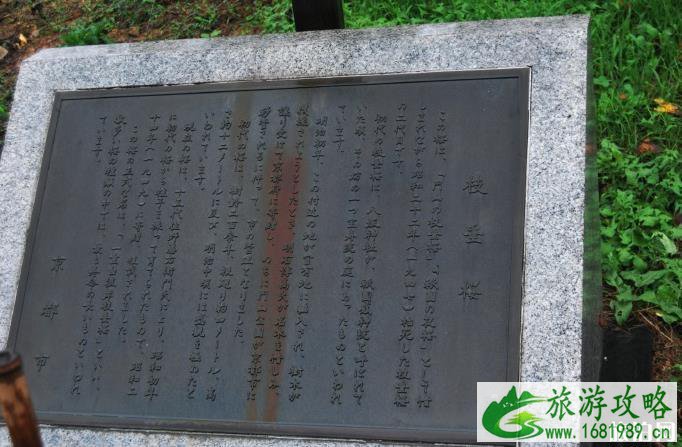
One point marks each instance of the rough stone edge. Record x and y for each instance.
(592, 274)
(190, 45)
(556, 48)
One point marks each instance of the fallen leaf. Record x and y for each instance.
(603, 320)
(666, 107)
(22, 40)
(678, 219)
(622, 96)
(646, 146)
(116, 35)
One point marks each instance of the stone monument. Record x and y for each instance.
(317, 236)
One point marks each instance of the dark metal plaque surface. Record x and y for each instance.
(332, 257)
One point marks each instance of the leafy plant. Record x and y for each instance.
(87, 33)
(640, 237)
(201, 19)
(125, 13)
(272, 17)
(5, 99)
(640, 164)
(208, 19)
(212, 34)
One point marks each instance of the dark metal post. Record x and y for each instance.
(311, 15)
(16, 402)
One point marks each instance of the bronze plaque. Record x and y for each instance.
(335, 257)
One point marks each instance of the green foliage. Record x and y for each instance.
(640, 256)
(635, 52)
(636, 59)
(5, 99)
(166, 18)
(125, 13)
(212, 34)
(276, 16)
(87, 34)
(200, 19)
(204, 23)
(273, 17)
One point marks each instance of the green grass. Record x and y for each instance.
(5, 100)
(125, 13)
(636, 58)
(177, 19)
(80, 33)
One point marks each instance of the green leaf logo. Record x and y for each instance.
(493, 415)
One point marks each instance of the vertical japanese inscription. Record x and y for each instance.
(370, 251)
(224, 200)
(348, 271)
(300, 255)
(413, 232)
(299, 293)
